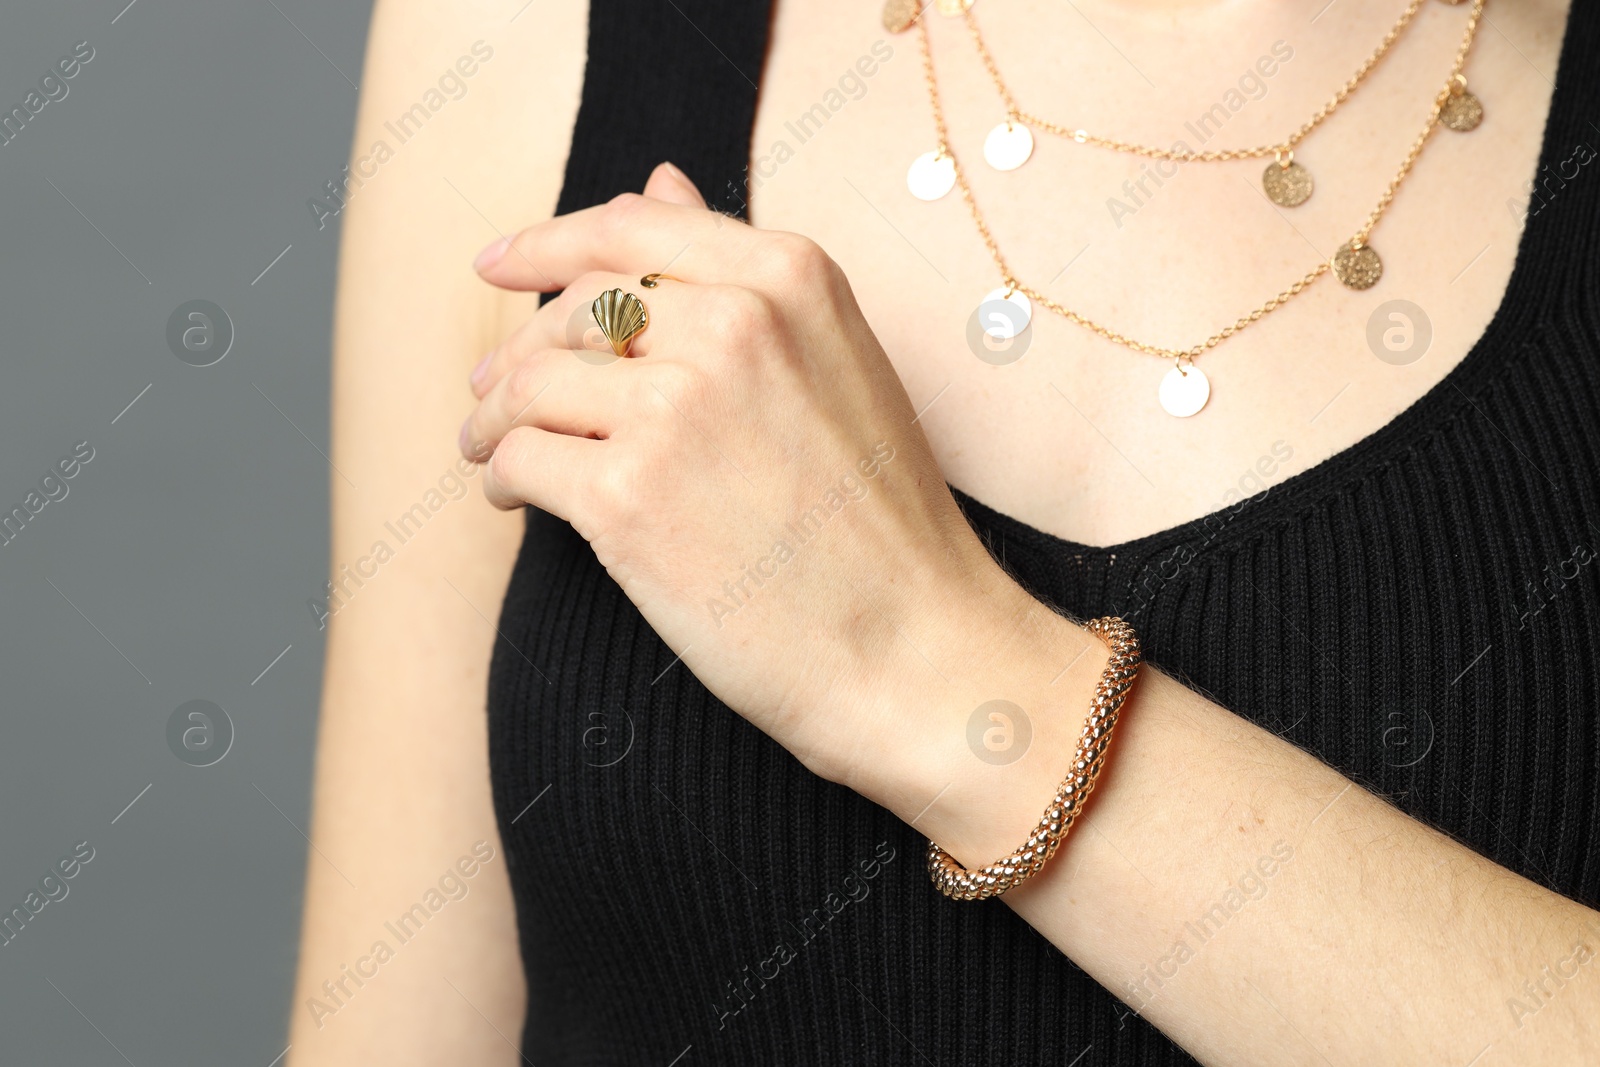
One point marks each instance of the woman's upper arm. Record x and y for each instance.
(465, 115)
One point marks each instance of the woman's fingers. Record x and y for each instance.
(549, 470)
(555, 390)
(630, 234)
(671, 185)
(571, 325)
(568, 322)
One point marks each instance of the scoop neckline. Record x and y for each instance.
(1516, 322)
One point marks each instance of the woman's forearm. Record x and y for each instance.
(1253, 903)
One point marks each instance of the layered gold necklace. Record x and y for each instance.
(1184, 390)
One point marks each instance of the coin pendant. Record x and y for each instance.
(1184, 391)
(931, 176)
(1287, 186)
(900, 15)
(952, 8)
(1008, 146)
(1357, 268)
(1461, 112)
(1005, 313)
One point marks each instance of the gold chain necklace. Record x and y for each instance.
(1286, 182)
(1184, 390)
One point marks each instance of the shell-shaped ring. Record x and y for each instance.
(621, 317)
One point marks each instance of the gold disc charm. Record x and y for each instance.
(931, 175)
(900, 15)
(1184, 391)
(1008, 145)
(1357, 268)
(1286, 182)
(1461, 111)
(952, 8)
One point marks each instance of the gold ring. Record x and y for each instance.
(650, 281)
(621, 316)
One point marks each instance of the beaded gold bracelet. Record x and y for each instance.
(954, 880)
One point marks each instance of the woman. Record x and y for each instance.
(755, 652)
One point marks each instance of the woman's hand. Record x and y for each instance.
(752, 476)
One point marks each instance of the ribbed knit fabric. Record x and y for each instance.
(1422, 611)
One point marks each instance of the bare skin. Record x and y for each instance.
(412, 321)
(1203, 250)
(401, 785)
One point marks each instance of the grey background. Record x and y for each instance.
(180, 562)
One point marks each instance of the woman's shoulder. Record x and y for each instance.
(465, 120)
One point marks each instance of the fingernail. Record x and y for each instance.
(481, 369)
(461, 438)
(491, 255)
(677, 173)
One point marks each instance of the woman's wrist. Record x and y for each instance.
(978, 730)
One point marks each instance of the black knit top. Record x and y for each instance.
(1422, 611)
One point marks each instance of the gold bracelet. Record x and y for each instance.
(954, 880)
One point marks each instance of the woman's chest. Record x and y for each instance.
(1059, 426)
